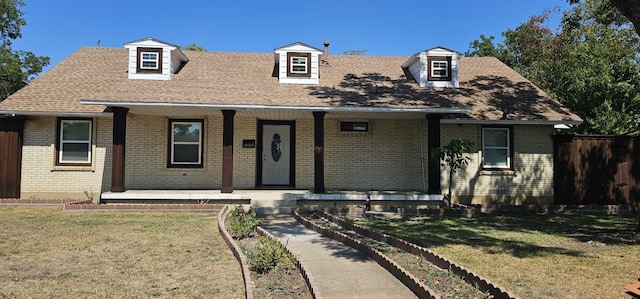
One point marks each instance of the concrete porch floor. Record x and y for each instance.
(263, 201)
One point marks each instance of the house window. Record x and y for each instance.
(185, 143)
(299, 64)
(496, 148)
(149, 60)
(349, 126)
(439, 68)
(74, 142)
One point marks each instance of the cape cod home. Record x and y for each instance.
(150, 116)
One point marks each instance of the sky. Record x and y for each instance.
(390, 28)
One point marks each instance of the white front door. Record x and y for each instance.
(276, 154)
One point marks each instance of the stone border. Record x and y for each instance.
(475, 280)
(244, 264)
(88, 206)
(418, 288)
(237, 252)
(305, 273)
(35, 202)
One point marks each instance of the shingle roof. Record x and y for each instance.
(490, 89)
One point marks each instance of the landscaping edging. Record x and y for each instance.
(35, 202)
(244, 264)
(418, 288)
(237, 252)
(305, 273)
(479, 282)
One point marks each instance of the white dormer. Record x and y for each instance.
(151, 59)
(436, 67)
(297, 63)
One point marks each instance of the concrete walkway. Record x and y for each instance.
(338, 270)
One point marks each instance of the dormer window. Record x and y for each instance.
(439, 68)
(149, 60)
(298, 64)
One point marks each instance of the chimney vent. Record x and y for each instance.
(325, 54)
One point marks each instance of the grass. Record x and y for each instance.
(563, 255)
(47, 254)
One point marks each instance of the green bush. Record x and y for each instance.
(242, 224)
(269, 254)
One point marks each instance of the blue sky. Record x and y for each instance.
(59, 28)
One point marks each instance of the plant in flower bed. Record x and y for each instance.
(273, 269)
(442, 281)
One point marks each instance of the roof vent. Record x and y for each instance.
(325, 54)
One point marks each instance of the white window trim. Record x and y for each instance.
(62, 142)
(435, 68)
(199, 143)
(508, 148)
(305, 64)
(143, 60)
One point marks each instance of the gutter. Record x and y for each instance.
(49, 113)
(511, 122)
(277, 107)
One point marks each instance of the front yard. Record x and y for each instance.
(47, 254)
(534, 256)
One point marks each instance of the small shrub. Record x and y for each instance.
(242, 224)
(269, 254)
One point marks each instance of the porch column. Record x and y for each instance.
(318, 152)
(118, 149)
(227, 151)
(433, 142)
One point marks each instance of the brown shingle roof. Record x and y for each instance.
(490, 89)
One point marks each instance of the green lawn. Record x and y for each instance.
(567, 255)
(47, 254)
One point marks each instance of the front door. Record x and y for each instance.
(276, 153)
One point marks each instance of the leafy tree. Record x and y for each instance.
(17, 67)
(454, 156)
(590, 66)
(354, 52)
(194, 47)
(628, 8)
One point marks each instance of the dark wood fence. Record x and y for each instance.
(596, 170)
(10, 156)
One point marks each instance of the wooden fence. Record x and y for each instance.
(596, 170)
(10, 156)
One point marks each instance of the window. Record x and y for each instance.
(354, 126)
(185, 143)
(496, 148)
(299, 64)
(149, 60)
(439, 68)
(74, 142)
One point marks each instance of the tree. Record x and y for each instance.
(17, 67)
(591, 65)
(354, 52)
(194, 47)
(629, 8)
(453, 155)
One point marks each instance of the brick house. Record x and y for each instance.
(152, 117)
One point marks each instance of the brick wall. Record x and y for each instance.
(390, 156)
(531, 181)
(42, 179)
